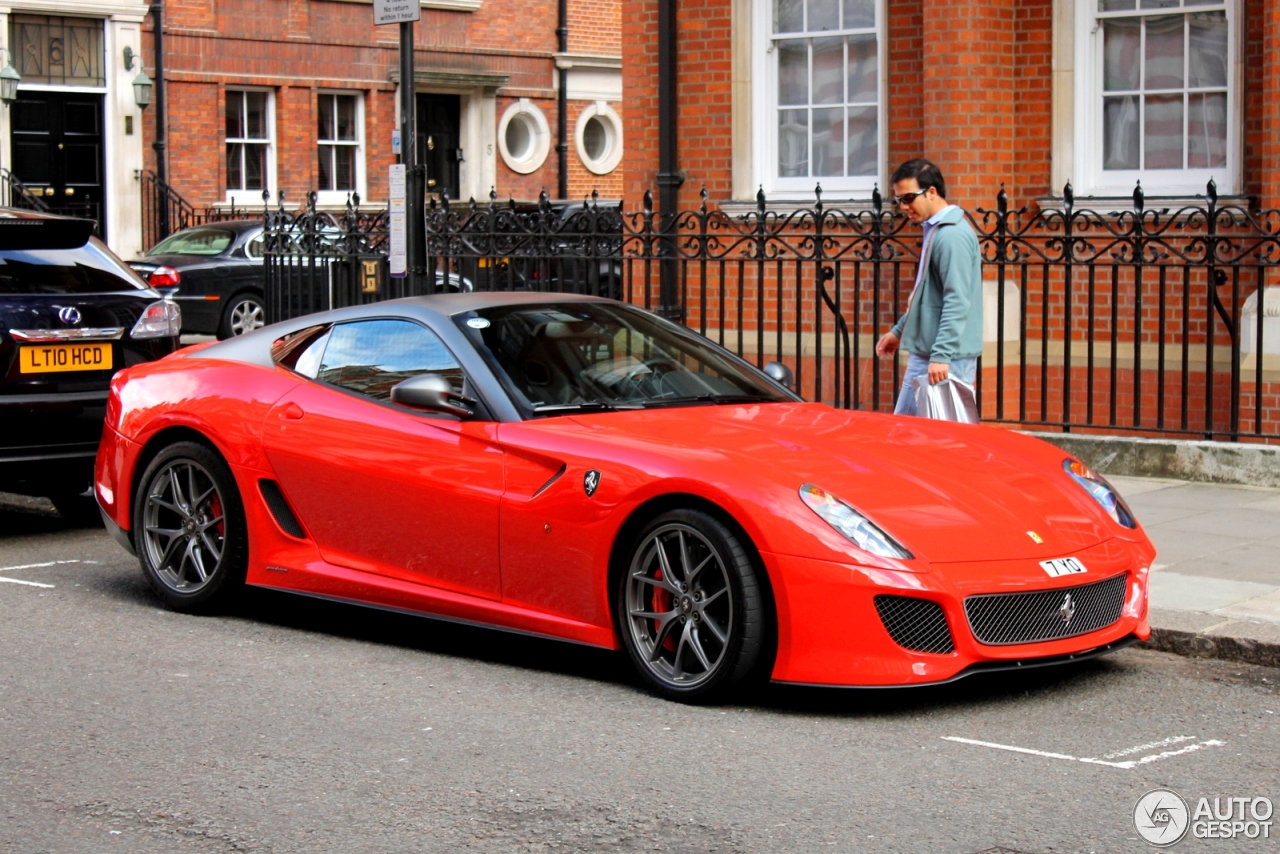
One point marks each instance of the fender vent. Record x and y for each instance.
(917, 624)
(280, 509)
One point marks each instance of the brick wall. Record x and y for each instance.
(296, 48)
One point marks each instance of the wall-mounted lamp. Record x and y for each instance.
(141, 83)
(9, 80)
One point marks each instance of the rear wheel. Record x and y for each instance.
(244, 313)
(189, 528)
(690, 607)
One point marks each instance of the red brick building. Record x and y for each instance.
(1028, 95)
(301, 95)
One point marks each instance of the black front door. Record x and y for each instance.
(438, 141)
(57, 151)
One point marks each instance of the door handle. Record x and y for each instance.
(69, 191)
(431, 182)
(291, 412)
(49, 191)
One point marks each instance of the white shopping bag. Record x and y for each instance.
(949, 400)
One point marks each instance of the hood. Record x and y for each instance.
(948, 492)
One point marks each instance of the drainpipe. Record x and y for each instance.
(562, 105)
(162, 172)
(669, 176)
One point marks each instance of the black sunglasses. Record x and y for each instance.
(908, 198)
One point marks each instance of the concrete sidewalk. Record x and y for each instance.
(1215, 586)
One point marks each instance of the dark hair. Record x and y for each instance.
(926, 173)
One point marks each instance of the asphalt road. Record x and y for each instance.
(293, 726)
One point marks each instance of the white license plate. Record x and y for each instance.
(1060, 566)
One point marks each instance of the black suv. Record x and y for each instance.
(73, 314)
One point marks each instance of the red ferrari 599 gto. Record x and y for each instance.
(578, 468)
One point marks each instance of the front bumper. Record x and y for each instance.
(830, 633)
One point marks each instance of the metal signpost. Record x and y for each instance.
(405, 195)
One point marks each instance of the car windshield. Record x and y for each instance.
(195, 241)
(89, 269)
(567, 356)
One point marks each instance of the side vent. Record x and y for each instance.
(280, 509)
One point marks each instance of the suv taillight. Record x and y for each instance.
(164, 277)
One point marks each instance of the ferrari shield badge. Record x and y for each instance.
(590, 481)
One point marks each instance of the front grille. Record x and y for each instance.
(916, 624)
(1005, 618)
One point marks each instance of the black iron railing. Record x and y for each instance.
(165, 211)
(1146, 320)
(14, 194)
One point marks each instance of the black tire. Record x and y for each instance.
(245, 312)
(186, 516)
(78, 509)
(698, 635)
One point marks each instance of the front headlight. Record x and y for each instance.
(161, 320)
(1101, 491)
(860, 530)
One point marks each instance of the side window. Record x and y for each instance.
(371, 356)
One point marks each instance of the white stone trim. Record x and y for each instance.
(612, 123)
(531, 160)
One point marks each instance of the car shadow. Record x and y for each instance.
(24, 515)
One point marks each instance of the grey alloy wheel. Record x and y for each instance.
(189, 527)
(691, 609)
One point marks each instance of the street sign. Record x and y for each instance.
(397, 250)
(396, 11)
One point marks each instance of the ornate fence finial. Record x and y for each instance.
(444, 200)
(817, 194)
(431, 203)
(544, 201)
(1002, 202)
(595, 197)
(1139, 198)
(703, 195)
(877, 200)
(355, 199)
(493, 196)
(648, 201)
(760, 200)
(312, 198)
(1069, 195)
(282, 201)
(1211, 192)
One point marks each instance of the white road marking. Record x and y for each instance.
(46, 563)
(29, 583)
(1177, 739)
(1127, 764)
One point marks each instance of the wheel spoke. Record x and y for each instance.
(676, 669)
(697, 570)
(212, 523)
(160, 502)
(663, 631)
(169, 551)
(204, 495)
(656, 582)
(714, 596)
(211, 547)
(177, 492)
(197, 560)
(684, 558)
(695, 643)
(715, 628)
(662, 560)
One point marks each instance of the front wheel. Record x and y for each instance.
(691, 611)
(244, 313)
(189, 528)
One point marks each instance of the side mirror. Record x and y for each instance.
(780, 374)
(432, 392)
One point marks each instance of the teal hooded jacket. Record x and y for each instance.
(944, 321)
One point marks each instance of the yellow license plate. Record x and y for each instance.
(47, 358)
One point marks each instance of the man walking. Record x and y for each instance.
(942, 327)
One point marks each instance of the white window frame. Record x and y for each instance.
(251, 198)
(535, 122)
(339, 197)
(1090, 178)
(608, 117)
(764, 95)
